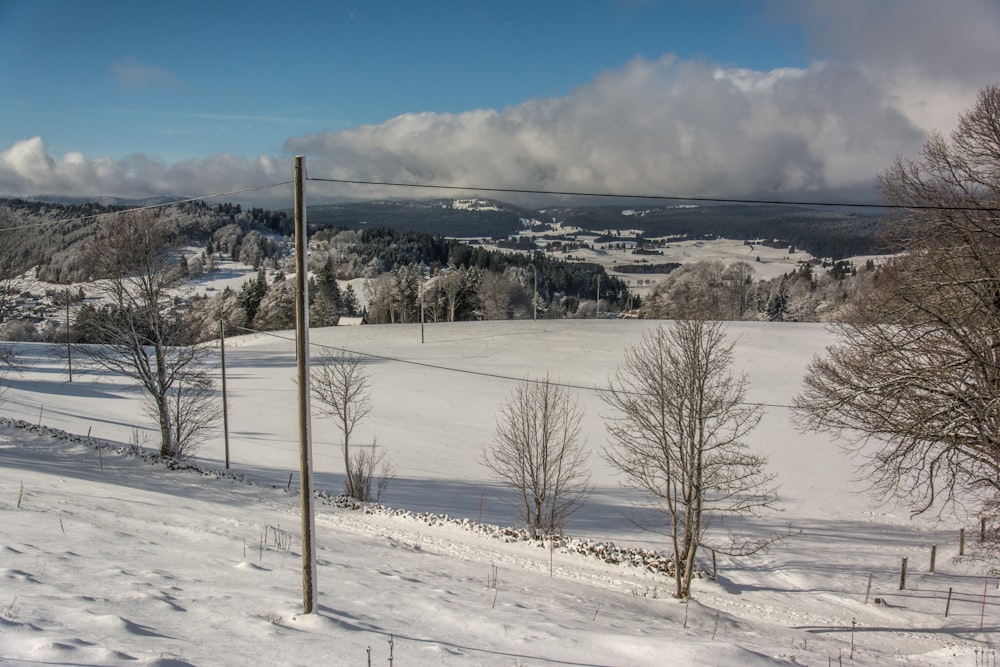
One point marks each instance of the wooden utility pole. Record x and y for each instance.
(69, 342)
(534, 294)
(598, 296)
(225, 397)
(302, 359)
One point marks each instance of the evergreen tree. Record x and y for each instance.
(777, 307)
(326, 300)
(251, 294)
(351, 304)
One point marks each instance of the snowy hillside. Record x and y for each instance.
(107, 560)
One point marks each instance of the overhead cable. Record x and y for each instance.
(452, 369)
(618, 195)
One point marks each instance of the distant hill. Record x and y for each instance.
(820, 232)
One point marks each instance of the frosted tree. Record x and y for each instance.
(913, 382)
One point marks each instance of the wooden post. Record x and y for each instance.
(982, 612)
(961, 541)
(302, 363)
(552, 548)
(902, 575)
(947, 606)
(933, 557)
(225, 397)
(715, 569)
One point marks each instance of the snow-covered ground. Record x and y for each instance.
(106, 560)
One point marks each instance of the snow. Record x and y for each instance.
(473, 205)
(106, 559)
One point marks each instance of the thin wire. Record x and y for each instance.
(145, 208)
(724, 200)
(464, 371)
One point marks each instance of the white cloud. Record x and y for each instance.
(928, 57)
(133, 74)
(27, 168)
(664, 127)
(885, 75)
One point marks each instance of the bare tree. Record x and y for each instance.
(738, 286)
(8, 361)
(144, 337)
(495, 293)
(341, 384)
(693, 290)
(678, 436)
(9, 287)
(537, 451)
(913, 383)
(194, 413)
(453, 285)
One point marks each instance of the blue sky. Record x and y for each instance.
(726, 98)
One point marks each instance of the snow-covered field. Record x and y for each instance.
(106, 560)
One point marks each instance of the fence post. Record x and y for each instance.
(902, 575)
(933, 557)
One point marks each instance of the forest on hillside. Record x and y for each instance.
(401, 272)
(393, 274)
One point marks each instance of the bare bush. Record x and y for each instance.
(371, 472)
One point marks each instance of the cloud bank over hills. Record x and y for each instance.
(665, 126)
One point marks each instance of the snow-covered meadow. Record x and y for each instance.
(107, 560)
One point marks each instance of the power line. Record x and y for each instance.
(464, 371)
(94, 216)
(611, 195)
(618, 195)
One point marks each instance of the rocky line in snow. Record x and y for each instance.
(607, 552)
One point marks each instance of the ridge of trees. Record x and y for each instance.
(52, 236)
